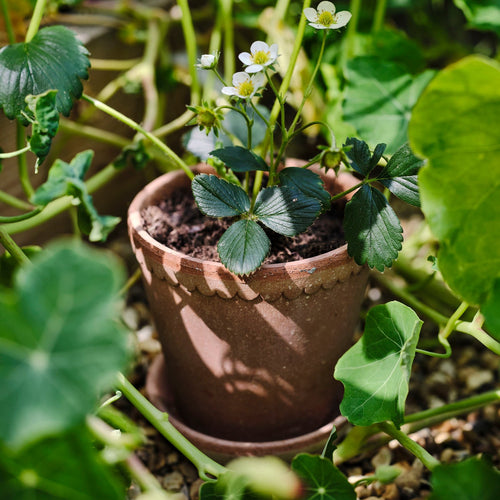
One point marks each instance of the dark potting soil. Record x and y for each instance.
(178, 223)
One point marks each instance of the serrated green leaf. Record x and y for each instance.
(376, 370)
(372, 229)
(240, 159)
(218, 198)
(306, 181)
(471, 479)
(286, 210)
(322, 479)
(460, 184)
(359, 155)
(66, 466)
(53, 59)
(379, 99)
(377, 154)
(400, 175)
(243, 247)
(60, 341)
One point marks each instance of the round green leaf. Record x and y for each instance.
(286, 210)
(455, 126)
(243, 247)
(218, 198)
(375, 371)
(53, 59)
(60, 341)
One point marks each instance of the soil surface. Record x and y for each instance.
(178, 223)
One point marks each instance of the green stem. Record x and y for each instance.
(12, 247)
(452, 321)
(470, 328)
(425, 457)
(113, 64)
(18, 218)
(22, 162)
(11, 36)
(226, 7)
(93, 133)
(36, 19)
(174, 125)
(379, 16)
(190, 40)
(8, 199)
(338, 196)
(207, 468)
(135, 126)
(13, 154)
(351, 32)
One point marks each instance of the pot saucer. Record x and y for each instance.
(223, 450)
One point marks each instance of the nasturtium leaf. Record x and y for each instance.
(65, 466)
(375, 371)
(481, 14)
(460, 184)
(243, 247)
(322, 479)
(61, 343)
(379, 99)
(53, 59)
(218, 198)
(45, 122)
(359, 155)
(306, 181)
(226, 486)
(372, 229)
(286, 210)
(400, 175)
(240, 159)
(474, 478)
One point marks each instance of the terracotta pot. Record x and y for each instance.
(247, 358)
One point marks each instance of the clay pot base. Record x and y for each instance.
(223, 450)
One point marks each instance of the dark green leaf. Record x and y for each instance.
(472, 479)
(400, 175)
(218, 198)
(60, 341)
(53, 59)
(322, 480)
(66, 466)
(45, 122)
(379, 99)
(372, 229)
(377, 154)
(243, 247)
(330, 446)
(359, 155)
(376, 370)
(286, 210)
(240, 159)
(308, 182)
(460, 184)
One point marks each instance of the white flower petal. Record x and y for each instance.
(254, 68)
(259, 46)
(229, 91)
(273, 49)
(326, 6)
(245, 58)
(311, 14)
(258, 80)
(240, 77)
(319, 26)
(343, 18)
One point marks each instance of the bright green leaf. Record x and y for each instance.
(306, 181)
(53, 59)
(400, 175)
(218, 198)
(471, 479)
(240, 159)
(460, 184)
(491, 310)
(379, 100)
(286, 210)
(243, 247)
(323, 480)
(372, 229)
(376, 370)
(481, 14)
(66, 466)
(60, 341)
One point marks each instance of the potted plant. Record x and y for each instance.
(238, 334)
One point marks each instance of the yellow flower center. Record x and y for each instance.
(261, 57)
(245, 89)
(326, 18)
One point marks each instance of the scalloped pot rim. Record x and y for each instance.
(152, 194)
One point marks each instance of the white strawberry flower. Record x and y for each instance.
(260, 56)
(208, 61)
(325, 18)
(245, 86)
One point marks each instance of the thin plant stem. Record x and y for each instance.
(135, 126)
(36, 19)
(93, 133)
(281, 9)
(22, 162)
(113, 64)
(11, 36)
(174, 125)
(423, 455)
(379, 16)
(17, 218)
(226, 7)
(13, 154)
(351, 32)
(136, 276)
(8, 199)
(479, 334)
(12, 247)
(207, 468)
(450, 325)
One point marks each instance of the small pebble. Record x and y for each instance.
(478, 378)
(194, 490)
(173, 481)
